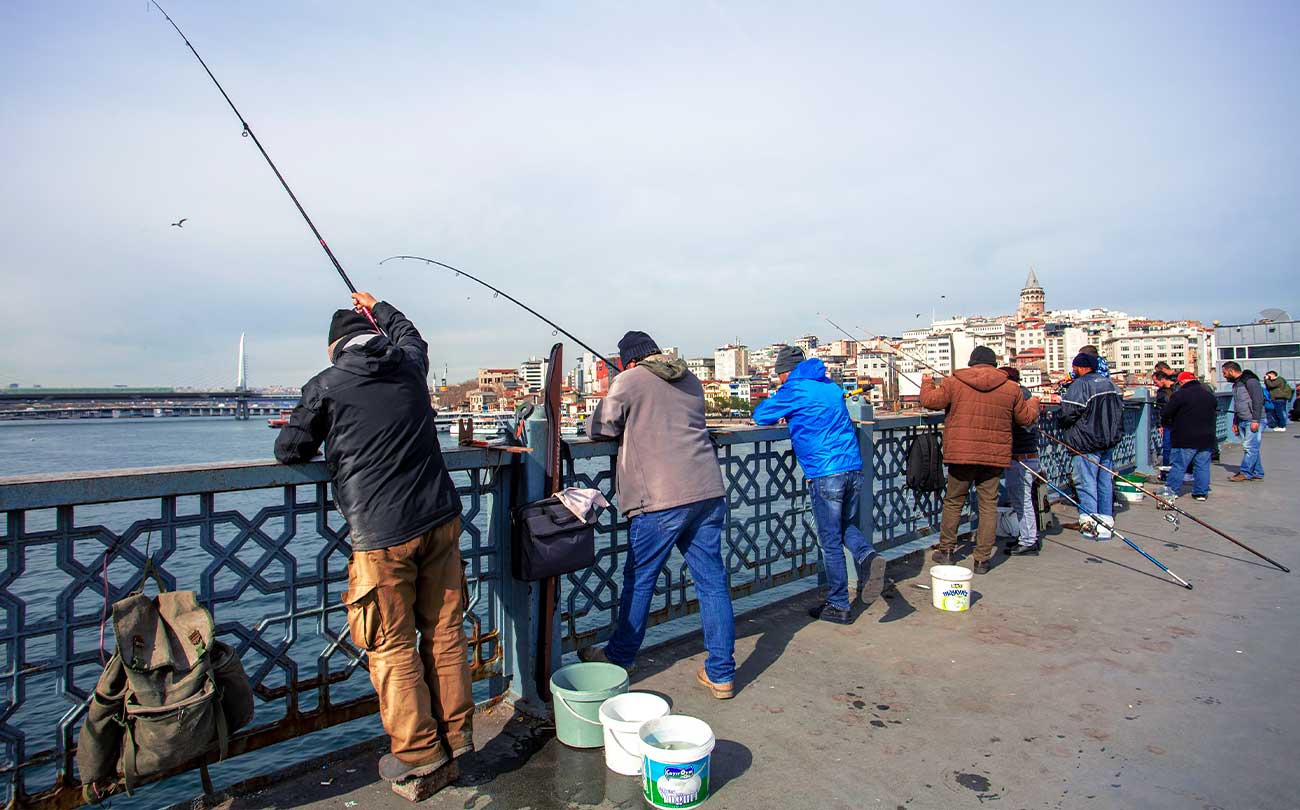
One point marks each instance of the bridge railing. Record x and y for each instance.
(265, 549)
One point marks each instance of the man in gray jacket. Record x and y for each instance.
(670, 485)
(1248, 419)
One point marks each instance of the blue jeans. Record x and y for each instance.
(1251, 465)
(1096, 489)
(1020, 491)
(1199, 461)
(1166, 446)
(696, 530)
(835, 511)
(1277, 413)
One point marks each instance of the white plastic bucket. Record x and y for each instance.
(675, 765)
(950, 587)
(622, 716)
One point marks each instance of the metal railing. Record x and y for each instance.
(264, 548)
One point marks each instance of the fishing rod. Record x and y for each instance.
(1168, 504)
(1097, 519)
(248, 133)
(846, 334)
(495, 291)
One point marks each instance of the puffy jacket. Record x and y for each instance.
(1279, 389)
(1191, 415)
(371, 409)
(665, 457)
(1247, 398)
(824, 438)
(1092, 412)
(982, 405)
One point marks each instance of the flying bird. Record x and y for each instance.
(181, 223)
(918, 314)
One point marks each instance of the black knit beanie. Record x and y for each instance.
(348, 322)
(983, 356)
(636, 345)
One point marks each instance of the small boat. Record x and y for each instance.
(277, 422)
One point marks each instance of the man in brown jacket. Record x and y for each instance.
(982, 405)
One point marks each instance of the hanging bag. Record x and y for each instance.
(550, 540)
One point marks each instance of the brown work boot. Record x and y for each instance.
(1238, 477)
(941, 557)
(461, 745)
(393, 769)
(721, 691)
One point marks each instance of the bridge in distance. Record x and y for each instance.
(109, 403)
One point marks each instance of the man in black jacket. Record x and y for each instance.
(1190, 417)
(1019, 481)
(371, 409)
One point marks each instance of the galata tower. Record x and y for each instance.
(1033, 301)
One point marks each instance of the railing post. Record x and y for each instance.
(1142, 441)
(863, 414)
(520, 601)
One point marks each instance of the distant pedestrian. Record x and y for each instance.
(1280, 391)
(1019, 481)
(1191, 418)
(405, 605)
(982, 405)
(1247, 419)
(670, 485)
(825, 442)
(1166, 383)
(1092, 413)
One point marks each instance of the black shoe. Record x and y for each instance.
(827, 612)
(393, 769)
(941, 557)
(1200, 497)
(1008, 546)
(1026, 551)
(981, 567)
(871, 573)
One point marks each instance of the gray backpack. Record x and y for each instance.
(169, 697)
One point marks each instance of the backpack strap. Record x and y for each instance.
(128, 756)
(219, 714)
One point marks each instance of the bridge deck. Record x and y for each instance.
(1082, 678)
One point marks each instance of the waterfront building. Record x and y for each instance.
(1261, 347)
(488, 377)
(807, 343)
(532, 372)
(701, 367)
(731, 361)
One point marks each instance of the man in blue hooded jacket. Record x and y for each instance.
(826, 444)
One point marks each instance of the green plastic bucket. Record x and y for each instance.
(1129, 486)
(577, 692)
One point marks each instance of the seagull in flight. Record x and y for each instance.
(181, 223)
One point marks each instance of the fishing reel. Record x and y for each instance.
(1172, 517)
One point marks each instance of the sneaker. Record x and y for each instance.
(1200, 497)
(1104, 525)
(1238, 477)
(1027, 551)
(827, 612)
(720, 691)
(393, 769)
(871, 573)
(1279, 430)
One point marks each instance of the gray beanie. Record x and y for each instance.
(983, 356)
(787, 357)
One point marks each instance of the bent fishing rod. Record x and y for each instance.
(1169, 504)
(248, 133)
(496, 291)
(1097, 519)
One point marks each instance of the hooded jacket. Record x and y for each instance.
(824, 438)
(1279, 389)
(665, 456)
(982, 405)
(1092, 413)
(1248, 398)
(371, 409)
(1192, 416)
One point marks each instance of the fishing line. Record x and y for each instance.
(502, 293)
(248, 133)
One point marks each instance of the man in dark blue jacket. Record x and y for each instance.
(371, 409)
(1092, 413)
(1190, 419)
(826, 444)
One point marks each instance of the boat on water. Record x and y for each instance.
(445, 421)
(280, 421)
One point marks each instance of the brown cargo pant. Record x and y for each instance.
(424, 693)
(960, 479)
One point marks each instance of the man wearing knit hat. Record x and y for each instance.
(982, 406)
(826, 444)
(670, 484)
(1190, 419)
(1092, 413)
(371, 410)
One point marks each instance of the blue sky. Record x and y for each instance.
(700, 171)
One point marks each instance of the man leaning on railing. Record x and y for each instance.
(371, 409)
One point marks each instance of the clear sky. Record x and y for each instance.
(697, 170)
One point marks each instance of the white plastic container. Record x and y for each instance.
(622, 717)
(675, 771)
(950, 587)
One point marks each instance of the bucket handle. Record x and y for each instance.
(575, 714)
(619, 743)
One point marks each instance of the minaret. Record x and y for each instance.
(1033, 301)
(241, 376)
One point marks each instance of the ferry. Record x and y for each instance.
(277, 422)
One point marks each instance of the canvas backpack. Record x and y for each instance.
(925, 466)
(169, 696)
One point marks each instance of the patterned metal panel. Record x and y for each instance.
(271, 564)
(901, 514)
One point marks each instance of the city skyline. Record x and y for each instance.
(689, 171)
